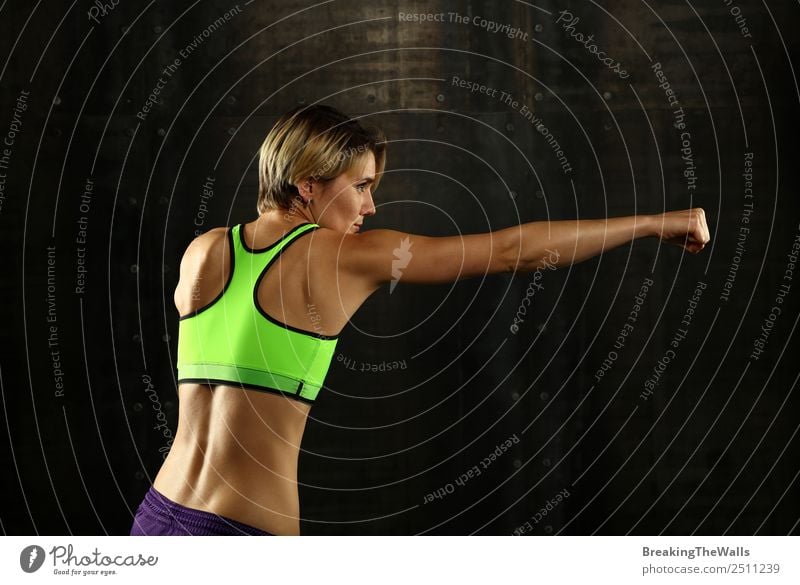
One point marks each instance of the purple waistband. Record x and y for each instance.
(196, 521)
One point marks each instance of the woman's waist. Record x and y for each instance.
(236, 453)
(259, 489)
(262, 455)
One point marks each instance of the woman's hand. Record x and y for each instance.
(687, 228)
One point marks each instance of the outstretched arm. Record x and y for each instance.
(574, 241)
(380, 256)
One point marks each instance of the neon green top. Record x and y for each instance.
(232, 340)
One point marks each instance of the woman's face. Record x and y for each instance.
(342, 203)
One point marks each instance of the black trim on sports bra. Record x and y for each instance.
(272, 245)
(258, 282)
(255, 387)
(229, 236)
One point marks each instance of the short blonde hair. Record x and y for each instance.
(316, 141)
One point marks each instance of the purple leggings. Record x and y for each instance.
(157, 515)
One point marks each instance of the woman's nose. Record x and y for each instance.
(369, 206)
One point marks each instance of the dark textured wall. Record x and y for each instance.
(681, 426)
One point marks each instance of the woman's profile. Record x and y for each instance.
(261, 304)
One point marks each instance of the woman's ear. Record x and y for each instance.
(306, 189)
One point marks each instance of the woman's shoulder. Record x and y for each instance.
(209, 237)
(208, 244)
(203, 271)
(212, 234)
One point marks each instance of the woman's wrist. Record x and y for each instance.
(646, 226)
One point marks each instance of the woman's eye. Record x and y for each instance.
(361, 187)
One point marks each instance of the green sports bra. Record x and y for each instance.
(233, 341)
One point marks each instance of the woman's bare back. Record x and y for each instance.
(236, 451)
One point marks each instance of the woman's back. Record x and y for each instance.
(236, 449)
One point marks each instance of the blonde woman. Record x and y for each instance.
(261, 305)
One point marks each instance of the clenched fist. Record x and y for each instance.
(687, 228)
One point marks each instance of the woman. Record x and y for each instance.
(261, 305)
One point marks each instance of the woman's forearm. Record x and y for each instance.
(561, 243)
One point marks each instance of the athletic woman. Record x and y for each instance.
(261, 305)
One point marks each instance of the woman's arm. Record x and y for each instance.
(380, 256)
(574, 241)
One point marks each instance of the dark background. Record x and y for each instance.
(713, 450)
